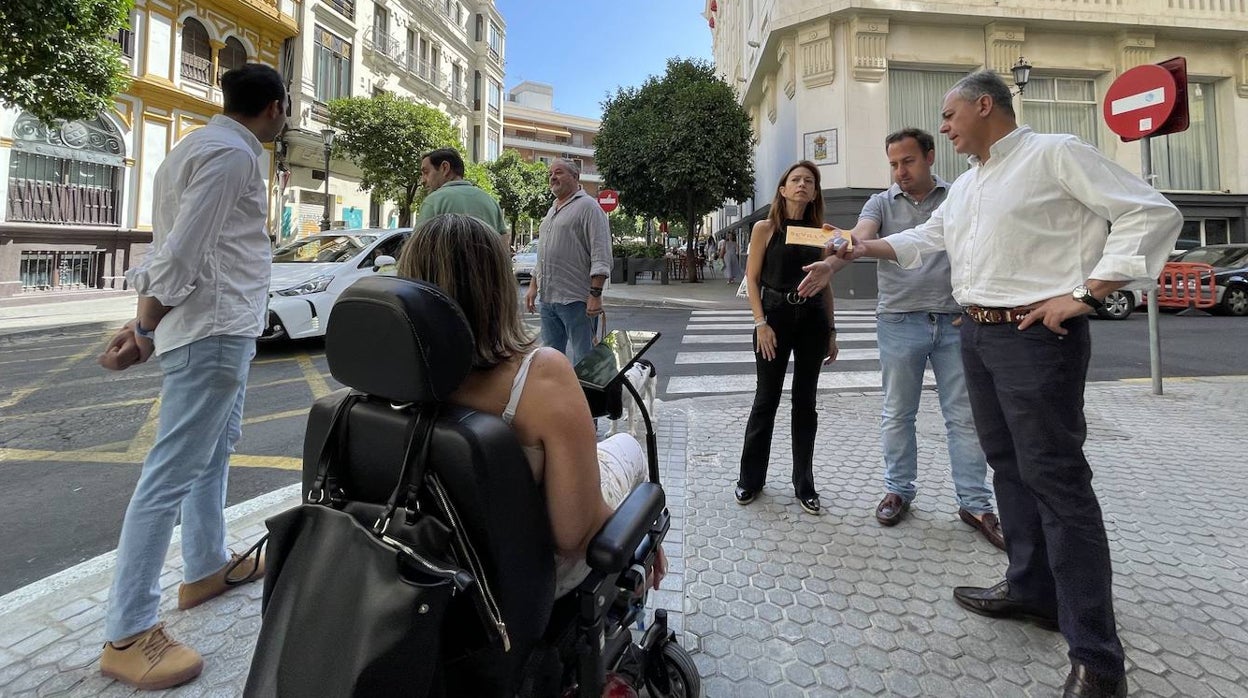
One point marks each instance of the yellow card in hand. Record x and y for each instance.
(814, 237)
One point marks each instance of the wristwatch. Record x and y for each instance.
(1083, 295)
(145, 334)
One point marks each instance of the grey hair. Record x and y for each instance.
(569, 165)
(986, 82)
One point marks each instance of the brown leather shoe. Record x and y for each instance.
(214, 585)
(988, 525)
(891, 509)
(151, 661)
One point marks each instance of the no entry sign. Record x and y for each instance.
(1148, 100)
(608, 199)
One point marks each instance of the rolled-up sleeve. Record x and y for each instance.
(600, 242)
(925, 239)
(171, 269)
(1143, 224)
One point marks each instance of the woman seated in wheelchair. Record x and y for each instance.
(534, 390)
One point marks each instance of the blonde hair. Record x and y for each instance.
(466, 259)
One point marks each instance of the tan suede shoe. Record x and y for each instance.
(151, 661)
(214, 585)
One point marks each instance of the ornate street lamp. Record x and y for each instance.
(1022, 74)
(327, 135)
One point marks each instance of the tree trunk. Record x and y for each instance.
(405, 209)
(691, 256)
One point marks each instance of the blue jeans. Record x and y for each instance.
(566, 327)
(907, 342)
(201, 419)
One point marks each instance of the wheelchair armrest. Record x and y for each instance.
(611, 550)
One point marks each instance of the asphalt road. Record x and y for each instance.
(72, 435)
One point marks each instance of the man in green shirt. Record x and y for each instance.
(442, 172)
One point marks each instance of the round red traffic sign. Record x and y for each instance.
(1140, 101)
(608, 199)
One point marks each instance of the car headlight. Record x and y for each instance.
(315, 285)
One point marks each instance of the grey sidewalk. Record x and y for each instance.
(778, 603)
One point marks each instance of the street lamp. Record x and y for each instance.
(1022, 74)
(327, 135)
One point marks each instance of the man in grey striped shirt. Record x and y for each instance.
(573, 262)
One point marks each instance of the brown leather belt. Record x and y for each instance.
(996, 316)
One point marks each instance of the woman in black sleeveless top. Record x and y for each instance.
(786, 323)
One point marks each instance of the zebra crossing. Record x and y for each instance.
(716, 355)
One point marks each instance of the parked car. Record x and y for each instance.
(522, 262)
(1230, 274)
(1120, 304)
(310, 272)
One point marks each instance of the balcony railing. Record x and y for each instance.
(36, 201)
(419, 67)
(196, 68)
(345, 7)
(58, 270)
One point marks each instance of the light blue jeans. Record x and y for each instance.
(566, 327)
(201, 419)
(907, 342)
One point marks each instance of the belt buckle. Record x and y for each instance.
(793, 299)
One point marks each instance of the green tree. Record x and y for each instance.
(624, 225)
(56, 59)
(479, 174)
(386, 136)
(520, 186)
(678, 146)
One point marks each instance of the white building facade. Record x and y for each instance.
(827, 81)
(448, 54)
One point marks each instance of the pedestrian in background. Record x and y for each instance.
(732, 261)
(202, 293)
(442, 173)
(573, 263)
(1029, 269)
(786, 324)
(918, 322)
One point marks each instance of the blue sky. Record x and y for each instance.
(586, 49)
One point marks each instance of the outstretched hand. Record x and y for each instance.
(818, 275)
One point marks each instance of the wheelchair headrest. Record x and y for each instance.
(398, 339)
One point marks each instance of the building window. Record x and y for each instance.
(496, 96)
(458, 88)
(232, 55)
(495, 42)
(196, 52)
(345, 7)
(68, 174)
(125, 41)
(914, 99)
(1062, 105)
(333, 66)
(491, 151)
(1189, 160)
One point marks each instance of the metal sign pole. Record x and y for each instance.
(1154, 335)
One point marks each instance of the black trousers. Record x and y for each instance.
(801, 330)
(1026, 390)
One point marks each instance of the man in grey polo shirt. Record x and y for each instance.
(573, 262)
(918, 322)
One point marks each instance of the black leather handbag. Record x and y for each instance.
(355, 593)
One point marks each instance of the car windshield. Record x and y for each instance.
(530, 248)
(322, 248)
(1215, 256)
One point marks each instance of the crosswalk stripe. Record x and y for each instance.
(703, 313)
(745, 383)
(748, 338)
(744, 357)
(707, 326)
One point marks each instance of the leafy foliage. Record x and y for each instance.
(56, 59)
(521, 187)
(386, 137)
(678, 146)
(624, 225)
(637, 249)
(479, 174)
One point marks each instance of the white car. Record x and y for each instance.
(522, 262)
(310, 272)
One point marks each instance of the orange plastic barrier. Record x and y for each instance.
(1186, 285)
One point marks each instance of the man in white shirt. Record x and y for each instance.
(202, 292)
(1031, 256)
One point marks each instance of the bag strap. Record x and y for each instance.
(334, 438)
(415, 457)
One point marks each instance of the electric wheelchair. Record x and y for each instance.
(399, 345)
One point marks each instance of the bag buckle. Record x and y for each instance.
(382, 524)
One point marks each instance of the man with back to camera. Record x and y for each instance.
(1031, 256)
(202, 293)
(573, 263)
(918, 321)
(442, 173)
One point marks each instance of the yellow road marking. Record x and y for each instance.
(115, 457)
(314, 378)
(78, 408)
(46, 379)
(279, 360)
(146, 436)
(275, 416)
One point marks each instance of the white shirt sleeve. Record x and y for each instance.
(169, 272)
(926, 238)
(1143, 224)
